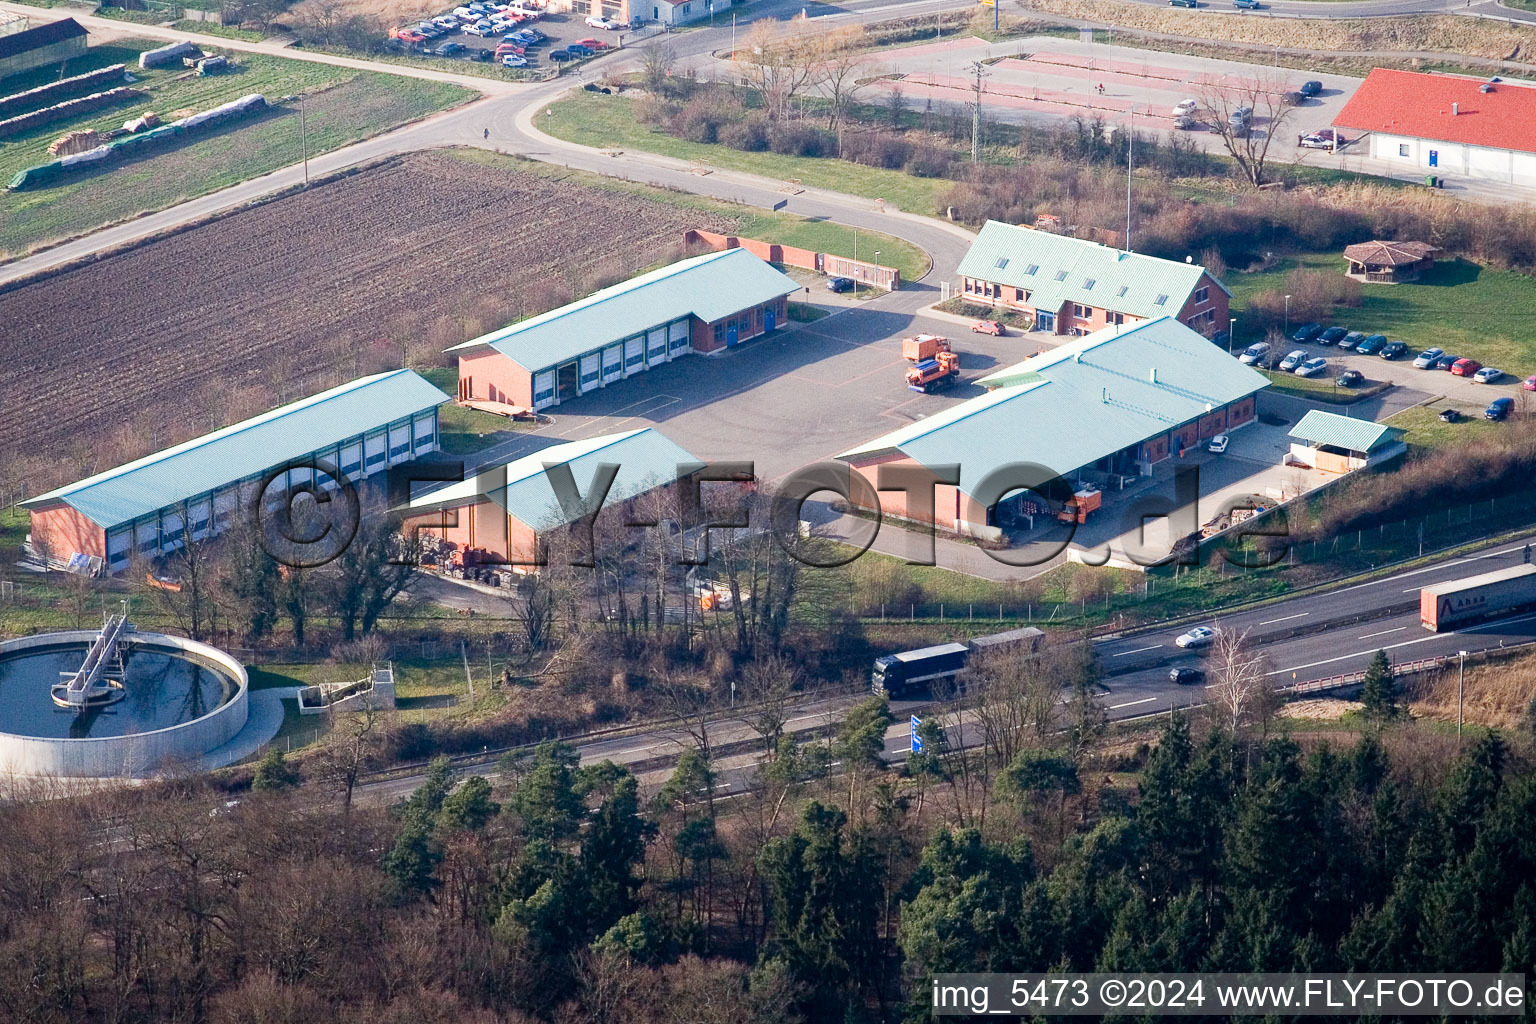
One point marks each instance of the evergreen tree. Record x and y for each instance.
(1376, 690)
(273, 773)
(546, 798)
(469, 808)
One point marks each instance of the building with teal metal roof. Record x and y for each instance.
(702, 304)
(1075, 286)
(1340, 444)
(1097, 409)
(499, 512)
(360, 428)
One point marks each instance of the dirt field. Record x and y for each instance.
(125, 356)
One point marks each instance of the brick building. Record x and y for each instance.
(702, 304)
(1112, 404)
(1073, 286)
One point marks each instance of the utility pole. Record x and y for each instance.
(1130, 147)
(981, 73)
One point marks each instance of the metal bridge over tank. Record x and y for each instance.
(99, 681)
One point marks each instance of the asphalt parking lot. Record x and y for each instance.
(561, 28)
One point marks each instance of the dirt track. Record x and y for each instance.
(119, 358)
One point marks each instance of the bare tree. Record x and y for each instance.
(770, 684)
(1238, 684)
(838, 73)
(1247, 136)
(1017, 695)
(656, 68)
(779, 60)
(350, 749)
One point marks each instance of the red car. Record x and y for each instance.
(1530, 383)
(991, 327)
(596, 44)
(1465, 367)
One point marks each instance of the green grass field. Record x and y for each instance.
(593, 119)
(1422, 427)
(1487, 314)
(783, 228)
(341, 107)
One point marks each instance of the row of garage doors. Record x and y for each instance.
(617, 361)
(357, 459)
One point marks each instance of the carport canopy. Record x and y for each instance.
(1330, 430)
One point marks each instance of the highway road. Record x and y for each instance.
(1308, 637)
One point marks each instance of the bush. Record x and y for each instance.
(929, 162)
(800, 140)
(877, 149)
(750, 134)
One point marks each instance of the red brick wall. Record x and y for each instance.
(792, 256)
(67, 532)
(490, 376)
(1216, 305)
(1240, 412)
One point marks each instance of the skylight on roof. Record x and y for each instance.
(1089, 282)
(1002, 262)
(1061, 275)
(1032, 269)
(1160, 300)
(1123, 289)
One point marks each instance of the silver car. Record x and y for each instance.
(1293, 359)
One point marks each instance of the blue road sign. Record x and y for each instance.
(917, 741)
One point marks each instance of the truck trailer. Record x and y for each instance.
(898, 676)
(1455, 603)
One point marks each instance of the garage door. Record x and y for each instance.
(170, 531)
(119, 547)
(591, 371)
(656, 347)
(225, 503)
(426, 433)
(613, 362)
(374, 454)
(543, 389)
(679, 337)
(634, 354)
(351, 460)
(201, 519)
(399, 442)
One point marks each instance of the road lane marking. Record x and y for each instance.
(1138, 650)
(1132, 703)
(1383, 632)
(1450, 564)
(1405, 643)
(1286, 618)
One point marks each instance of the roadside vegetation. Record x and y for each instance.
(341, 106)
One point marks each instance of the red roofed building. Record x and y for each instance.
(1448, 124)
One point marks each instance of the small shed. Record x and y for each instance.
(1388, 262)
(1331, 443)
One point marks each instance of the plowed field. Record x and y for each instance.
(124, 356)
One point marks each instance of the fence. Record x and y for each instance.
(872, 274)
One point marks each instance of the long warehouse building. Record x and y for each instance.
(702, 304)
(362, 427)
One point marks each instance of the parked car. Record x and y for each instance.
(1186, 122)
(1332, 335)
(1426, 359)
(1306, 332)
(559, 55)
(513, 60)
(1200, 636)
(447, 21)
(1253, 353)
(482, 30)
(451, 49)
(991, 327)
(1312, 367)
(411, 36)
(597, 21)
(1351, 339)
(1186, 107)
(1445, 362)
(1498, 409)
(1530, 383)
(482, 55)
(1187, 676)
(578, 50)
(837, 284)
(1371, 345)
(1450, 416)
(596, 44)
(1393, 349)
(1349, 379)
(1465, 367)
(1243, 114)
(1218, 444)
(1488, 375)
(1293, 359)
(1310, 89)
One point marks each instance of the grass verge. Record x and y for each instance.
(341, 106)
(609, 122)
(1321, 389)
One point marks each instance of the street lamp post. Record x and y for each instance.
(1287, 316)
(1231, 333)
(1461, 673)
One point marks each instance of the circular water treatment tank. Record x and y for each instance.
(173, 701)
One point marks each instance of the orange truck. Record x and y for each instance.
(1087, 500)
(934, 374)
(921, 347)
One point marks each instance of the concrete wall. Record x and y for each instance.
(1455, 158)
(179, 747)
